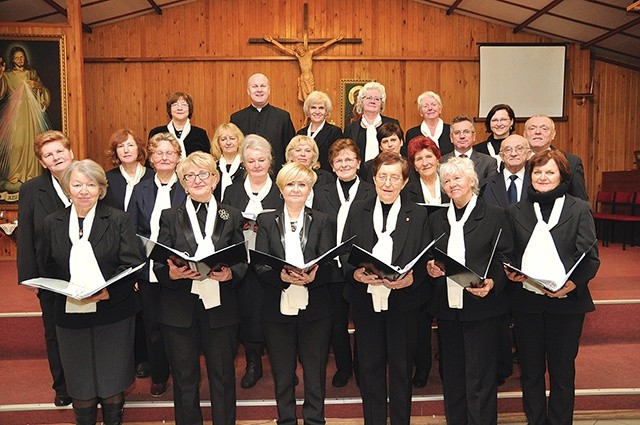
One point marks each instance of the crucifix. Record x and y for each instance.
(303, 53)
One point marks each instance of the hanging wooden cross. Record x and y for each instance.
(304, 53)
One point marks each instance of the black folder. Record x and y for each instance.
(276, 263)
(359, 257)
(228, 256)
(460, 273)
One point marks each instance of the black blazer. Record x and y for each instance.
(239, 175)
(38, 199)
(413, 192)
(444, 141)
(118, 186)
(324, 139)
(577, 186)
(355, 132)
(317, 238)
(324, 178)
(196, 140)
(573, 235)
(274, 124)
(494, 190)
(480, 232)
(141, 205)
(482, 146)
(326, 199)
(177, 304)
(236, 196)
(409, 238)
(115, 247)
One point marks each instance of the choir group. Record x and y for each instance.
(511, 209)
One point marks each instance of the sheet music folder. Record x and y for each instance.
(76, 291)
(359, 257)
(460, 273)
(276, 263)
(547, 284)
(228, 256)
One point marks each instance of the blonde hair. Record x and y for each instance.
(230, 127)
(317, 96)
(203, 160)
(303, 140)
(295, 171)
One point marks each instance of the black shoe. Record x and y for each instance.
(419, 380)
(62, 400)
(143, 370)
(340, 379)
(253, 374)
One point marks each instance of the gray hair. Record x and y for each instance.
(462, 166)
(90, 169)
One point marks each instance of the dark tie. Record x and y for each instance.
(201, 213)
(512, 191)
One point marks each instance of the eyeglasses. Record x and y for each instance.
(499, 120)
(466, 132)
(542, 128)
(339, 162)
(383, 178)
(374, 98)
(180, 105)
(202, 175)
(168, 154)
(509, 150)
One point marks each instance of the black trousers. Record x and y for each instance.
(504, 353)
(385, 340)
(554, 337)
(47, 305)
(469, 371)
(310, 341)
(150, 297)
(424, 359)
(184, 346)
(340, 341)
(250, 295)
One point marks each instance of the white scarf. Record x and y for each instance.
(540, 258)
(494, 154)
(424, 129)
(372, 148)
(163, 201)
(131, 181)
(456, 249)
(208, 290)
(60, 192)
(255, 201)
(313, 134)
(226, 175)
(185, 131)
(430, 199)
(295, 297)
(383, 250)
(83, 266)
(343, 212)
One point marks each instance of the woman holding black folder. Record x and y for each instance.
(552, 229)
(384, 312)
(467, 317)
(200, 313)
(296, 309)
(86, 242)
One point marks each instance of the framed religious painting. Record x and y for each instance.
(349, 89)
(32, 100)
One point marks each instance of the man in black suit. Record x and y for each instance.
(510, 185)
(274, 124)
(463, 137)
(540, 131)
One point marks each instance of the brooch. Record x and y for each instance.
(224, 214)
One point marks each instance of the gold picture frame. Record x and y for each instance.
(349, 88)
(33, 99)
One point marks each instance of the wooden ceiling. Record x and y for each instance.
(605, 26)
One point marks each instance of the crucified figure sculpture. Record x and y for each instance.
(305, 59)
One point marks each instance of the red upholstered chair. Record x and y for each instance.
(603, 215)
(627, 212)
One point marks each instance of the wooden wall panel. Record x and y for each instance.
(406, 45)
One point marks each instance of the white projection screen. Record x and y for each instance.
(529, 78)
